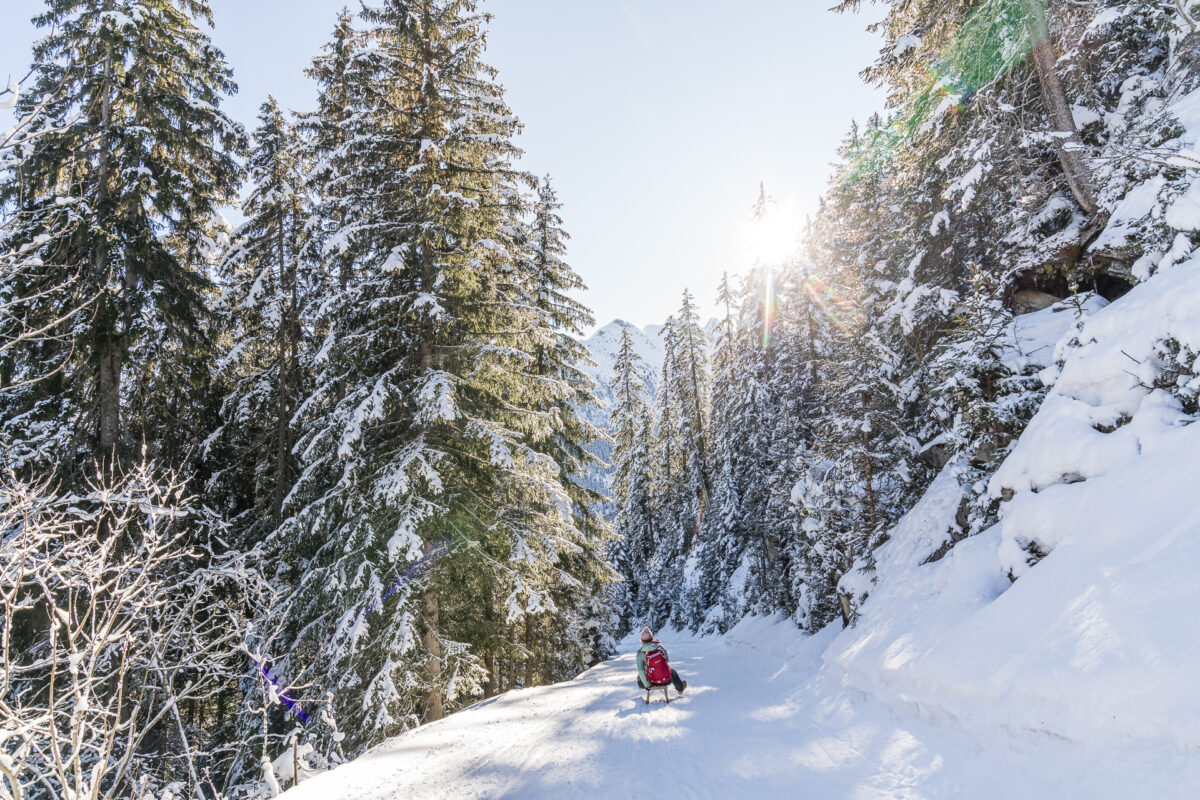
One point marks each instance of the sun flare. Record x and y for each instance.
(772, 235)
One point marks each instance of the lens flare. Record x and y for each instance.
(996, 36)
(836, 307)
(768, 311)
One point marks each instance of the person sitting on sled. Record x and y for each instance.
(652, 659)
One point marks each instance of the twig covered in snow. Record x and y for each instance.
(111, 627)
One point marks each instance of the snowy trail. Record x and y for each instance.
(755, 724)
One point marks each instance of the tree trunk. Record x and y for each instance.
(489, 686)
(285, 338)
(109, 357)
(700, 435)
(812, 330)
(869, 477)
(433, 667)
(108, 396)
(529, 672)
(489, 656)
(1062, 124)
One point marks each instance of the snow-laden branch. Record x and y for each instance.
(13, 94)
(111, 629)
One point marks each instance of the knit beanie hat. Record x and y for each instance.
(647, 636)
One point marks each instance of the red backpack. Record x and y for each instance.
(658, 671)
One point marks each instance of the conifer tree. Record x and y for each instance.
(631, 429)
(683, 413)
(558, 355)
(562, 391)
(340, 86)
(743, 408)
(722, 525)
(121, 189)
(38, 302)
(270, 285)
(690, 393)
(425, 422)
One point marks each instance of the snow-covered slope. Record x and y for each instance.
(1095, 642)
(761, 718)
(1054, 655)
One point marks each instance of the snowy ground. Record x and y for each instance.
(761, 718)
(1081, 679)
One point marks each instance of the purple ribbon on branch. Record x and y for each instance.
(292, 705)
(417, 568)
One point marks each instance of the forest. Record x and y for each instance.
(286, 488)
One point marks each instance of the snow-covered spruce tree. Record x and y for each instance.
(632, 431)
(564, 390)
(683, 399)
(326, 133)
(38, 301)
(794, 421)
(269, 287)
(424, 421)
(121, 188)
(170, 402)
(745, 400)
(723, 538)
(836, 488)
(558, 356)
(663, 572)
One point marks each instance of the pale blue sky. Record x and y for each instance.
(656, 118)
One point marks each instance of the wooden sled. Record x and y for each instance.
(664, 686)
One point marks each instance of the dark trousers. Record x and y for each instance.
(676, 681)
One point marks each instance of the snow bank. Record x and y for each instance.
(1033, 338)
(1095, 641)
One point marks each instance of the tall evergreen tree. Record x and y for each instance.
(632, 432)
(558, 355)
(722, 526)
(683, 413)
(122, 188)
(340, 89)
(558, 361)
(425, 420)
(270, 284)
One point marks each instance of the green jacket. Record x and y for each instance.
(641, 659)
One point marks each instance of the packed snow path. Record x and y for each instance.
(754, 723)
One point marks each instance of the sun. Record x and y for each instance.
(772, 235)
